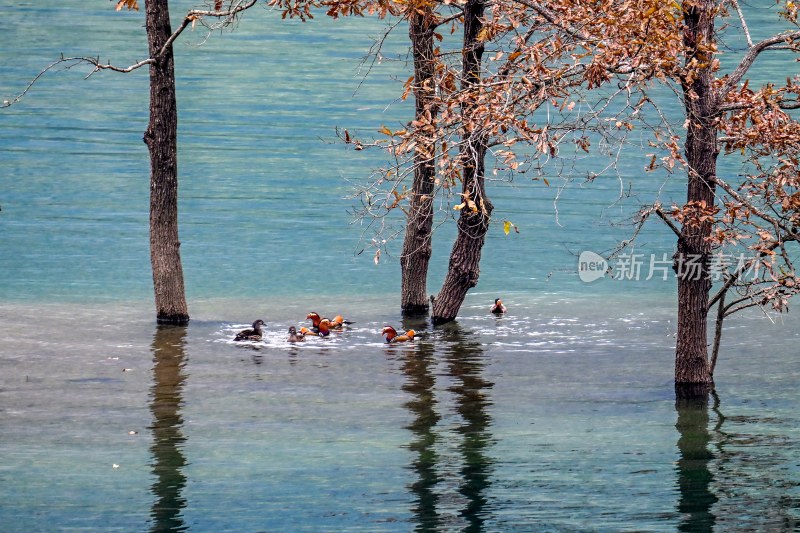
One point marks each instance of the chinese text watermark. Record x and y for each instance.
(638, 267)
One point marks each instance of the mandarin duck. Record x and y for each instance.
(323, 329)
(392, 336)
(337, 323)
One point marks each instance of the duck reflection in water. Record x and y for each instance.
(695, 479)
(464, 359)
(166, 398)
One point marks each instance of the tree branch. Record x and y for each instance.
(191, 17)
(750, 58)
(196, 14)
(663, 216)
(553, 18)
(451, 18)
(731, 281)
(749, 43)
(717, 333)
(761, 214)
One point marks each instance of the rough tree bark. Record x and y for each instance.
(464, 268)
(691, 353)
(161, 138)
(417, 244)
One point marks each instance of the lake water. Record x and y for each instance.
(560, 416)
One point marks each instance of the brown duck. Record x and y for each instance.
(294, 336)
(254, 334)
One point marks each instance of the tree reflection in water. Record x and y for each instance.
(418, 367)
(168, 440)
(463, 358)
(694, 477)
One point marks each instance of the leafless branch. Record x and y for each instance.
(750, 58)
(191, 17)
(663, 216)
(744, 23)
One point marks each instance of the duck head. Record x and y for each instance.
(315, 319)
(389, 332)
(293, 336)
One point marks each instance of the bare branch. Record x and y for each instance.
(459, 13)
(717, 332)
(191, 17)
(746, 34)
(734, 107)
(196, 14)
(663, 216)
(731, 281)
(20, 96)
(750, 58)
(743, 307)
(761, 214)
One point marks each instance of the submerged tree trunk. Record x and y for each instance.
(691, 352)
(161, 138)
(417, 244)
(464, 268)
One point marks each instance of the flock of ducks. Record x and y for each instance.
(322, 327)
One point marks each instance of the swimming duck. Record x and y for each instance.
(392, 336)
(323, 329)
(315, 320)
(337, 323)
(498, 308)
(294, 336)
(251, 334)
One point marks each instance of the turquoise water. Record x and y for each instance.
(560, 416)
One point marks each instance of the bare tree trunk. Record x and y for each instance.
(691, 352)
(417, 244)
(161, 138)
(464, 268)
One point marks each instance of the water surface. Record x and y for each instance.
(560, 416)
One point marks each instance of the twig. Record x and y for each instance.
(191, 17)
(746, 34)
